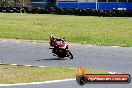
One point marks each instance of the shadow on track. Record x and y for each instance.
(50, 59)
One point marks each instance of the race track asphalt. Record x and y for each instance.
(115, 59)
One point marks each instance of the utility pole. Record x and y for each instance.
(23, 3)
(96, 4)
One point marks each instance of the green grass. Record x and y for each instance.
(20, 74)
(81, 29)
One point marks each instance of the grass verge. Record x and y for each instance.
(115, 31)
(21, 74)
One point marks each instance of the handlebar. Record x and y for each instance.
(51, 48)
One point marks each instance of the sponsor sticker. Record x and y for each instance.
(83, 78)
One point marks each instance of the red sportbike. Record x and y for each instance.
(60, 48)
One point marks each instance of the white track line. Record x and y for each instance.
(4, 40)
(14, 64)
(42, 66)
(18, 41)
(113, 72)
(29, 65)
(115, 46)
(45, 82)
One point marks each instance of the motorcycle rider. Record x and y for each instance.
(57, 43)
(52, 41)
(59, 47)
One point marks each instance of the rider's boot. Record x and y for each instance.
(54, 54)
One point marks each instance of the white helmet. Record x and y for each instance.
(52, 37)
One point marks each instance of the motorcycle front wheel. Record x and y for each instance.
(70, 55)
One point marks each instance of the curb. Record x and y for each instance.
(22, 65)
(110, 72)
(45, 82)
(22, 40)
(44, 41)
